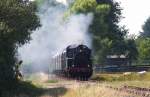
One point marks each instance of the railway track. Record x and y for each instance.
(73, 83)
(138, 91)
(58, 77)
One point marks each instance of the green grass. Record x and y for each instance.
(121, 77)
(97, 90)
(52, 81)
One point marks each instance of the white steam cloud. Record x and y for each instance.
(63, 1)
(54, 35)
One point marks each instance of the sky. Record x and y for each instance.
(135, 12)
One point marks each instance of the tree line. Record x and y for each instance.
(109, 38)
(143, 42)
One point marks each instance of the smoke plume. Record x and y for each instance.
(54, 35)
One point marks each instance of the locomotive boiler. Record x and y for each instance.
(75, 62)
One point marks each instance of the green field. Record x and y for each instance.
(119, 79)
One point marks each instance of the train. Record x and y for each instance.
(74, 61)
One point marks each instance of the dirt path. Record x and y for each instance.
(69, 84)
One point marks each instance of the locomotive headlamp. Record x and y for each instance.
(72, 65)
(88, 65)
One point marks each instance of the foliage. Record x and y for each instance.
(39, 2)
(108, 36)
(105, 45)
(132, 50)
(143, 45)
(17, 21)
(146, 29)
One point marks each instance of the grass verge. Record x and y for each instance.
(52, 81)
(98, 90)
(121, 77)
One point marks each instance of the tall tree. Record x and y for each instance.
(17, 21)
(146, 29)
(108, 36)
(132, 50)
(143, 45)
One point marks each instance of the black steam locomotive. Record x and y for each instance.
(75, 62)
